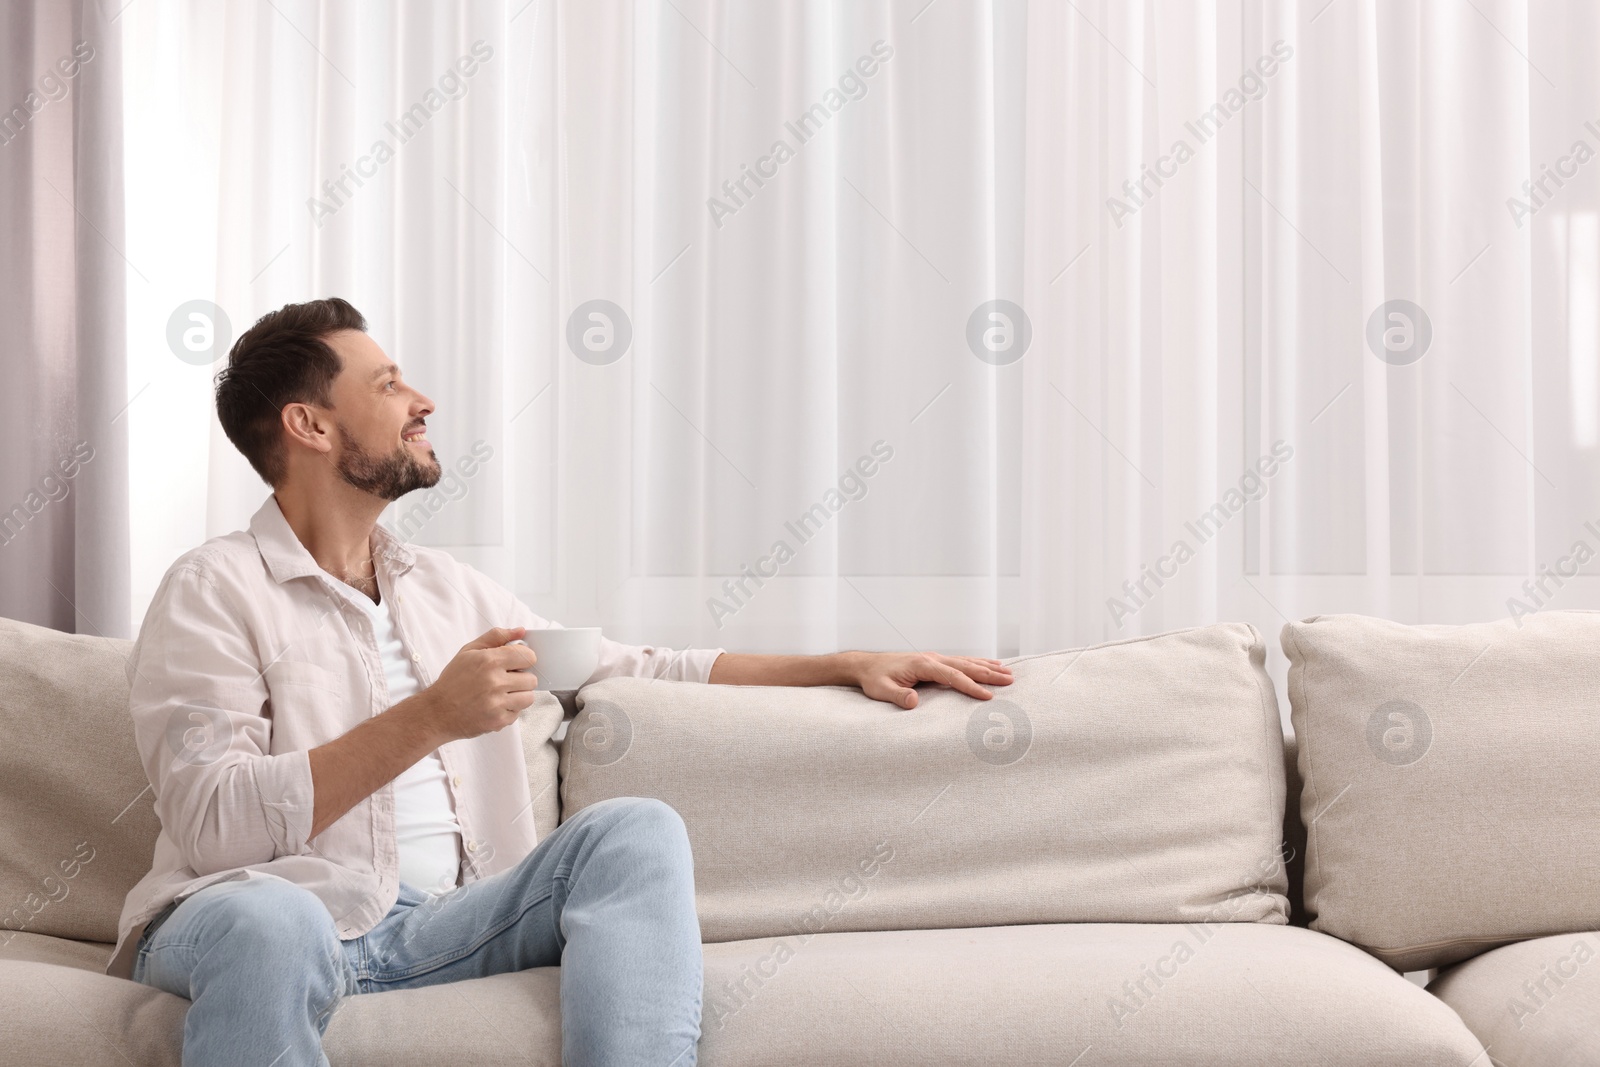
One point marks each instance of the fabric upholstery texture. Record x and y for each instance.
(1237, 995)
(62, 1012)
(1449, 781)
(1533, 1004)
(1222, 994)
(1140, 781)
(79, 827)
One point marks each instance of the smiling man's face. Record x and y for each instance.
(383, 445)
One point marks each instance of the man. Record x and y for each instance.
(328, 718)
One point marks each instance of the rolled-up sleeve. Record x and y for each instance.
(618, 660)
(653, 661)
(199, 701)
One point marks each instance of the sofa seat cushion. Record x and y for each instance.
(61, 1011)
(1094, 995)
(1233, 994)
(65, 1015)
(41, 948)
(1533, 1004)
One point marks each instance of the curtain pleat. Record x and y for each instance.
(64, 524)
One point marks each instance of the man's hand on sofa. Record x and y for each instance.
(892, 676)
(888, 676)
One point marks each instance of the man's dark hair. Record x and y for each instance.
(283, 359)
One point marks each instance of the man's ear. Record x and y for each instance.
(306, 426)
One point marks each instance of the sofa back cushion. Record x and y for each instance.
(1449, 780)
(1139, 781)
(79, 827)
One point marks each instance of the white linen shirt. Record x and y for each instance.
(427, 836)
(250, 656)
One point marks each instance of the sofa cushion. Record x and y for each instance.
(1227, 994)
(1140, 781)
(1449, 781)
(1535, 1003)
(40, 948)
(61, 1015)
(1234, 994)
(79, 826)
(62, 1012)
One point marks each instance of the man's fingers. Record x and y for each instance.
(944, 671)
(495, 638)
(518, 681)
(993, 666)
(886, 689)
(984, 670)
(950, 676)
(512, 657)
(958, 680)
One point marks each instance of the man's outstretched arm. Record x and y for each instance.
(886, 676)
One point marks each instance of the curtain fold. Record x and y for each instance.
(64, 525)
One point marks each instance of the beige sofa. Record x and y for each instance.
(1089, 870)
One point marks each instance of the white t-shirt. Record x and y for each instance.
(427, 833)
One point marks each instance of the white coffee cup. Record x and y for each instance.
(567, 657)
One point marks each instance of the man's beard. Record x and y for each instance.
(390, 477)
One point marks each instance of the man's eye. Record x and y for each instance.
(390, 385)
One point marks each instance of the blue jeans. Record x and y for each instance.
(609, 896)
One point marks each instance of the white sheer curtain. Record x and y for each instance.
(1184, 319)
(1394, 164)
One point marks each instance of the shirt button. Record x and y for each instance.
(415, 658)
(456, 780)
(472, 846)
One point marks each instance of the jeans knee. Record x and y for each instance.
(271, 922)
(646, 822)
(647, 813)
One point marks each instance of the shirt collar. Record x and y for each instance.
(287, 558)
